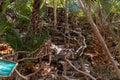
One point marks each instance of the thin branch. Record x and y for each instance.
(18, 52)
(68, 37)
(116, 22)
(80, 71)
(20, 75)
(99, 36)
(55, 13)
(32, 58)
(66, 78)
(67, 22)
(83, 66)
(28, 59)
(34, 73)
(83, 46)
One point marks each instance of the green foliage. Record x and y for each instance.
(4, 24)
(5, 5)
(23, 7)
(23, 18)
(36, 41)
(107, 12)
(112, 6)
(106, 8)
(9, 33)
(60, 3)
(13, 38)
(116, 7)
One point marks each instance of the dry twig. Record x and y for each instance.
(20, 75)
(86, 74)
(55, 13)
(99, 36)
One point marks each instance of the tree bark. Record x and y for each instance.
(35, 18)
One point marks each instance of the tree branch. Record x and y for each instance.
(80, 71)
(20, 75)
(116, 22)
(55, 13)
(99, 36)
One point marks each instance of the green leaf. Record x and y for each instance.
(23, 7)
(14, 40)
(36, 41)
(4, 24)
(60, 3)
(5, 5)
(23, 18)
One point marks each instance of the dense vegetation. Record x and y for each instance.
(61, 39)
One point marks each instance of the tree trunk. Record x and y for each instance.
(35, 18)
